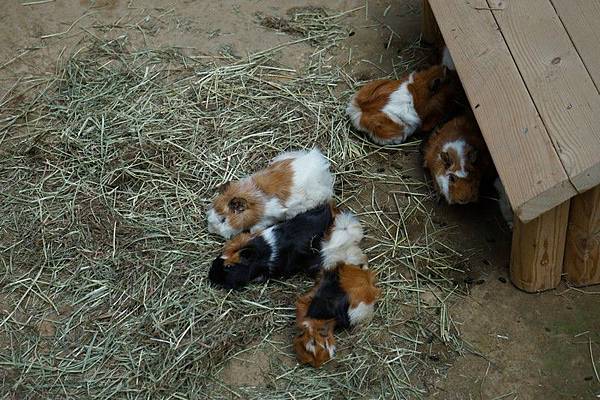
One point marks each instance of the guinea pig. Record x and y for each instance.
(343, 296)
(458, 160)
(293, 183)
(282, 250)
(390, 111)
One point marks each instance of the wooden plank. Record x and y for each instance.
(561, 88)
(525, 158)
(536, 258)
(580, 18)
(582, 252)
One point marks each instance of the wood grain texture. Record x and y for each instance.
(556, 78)
(536, 259)
(429, 28)
(525, 158)
(581, 18)
(582, 252)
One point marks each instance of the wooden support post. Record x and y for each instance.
(430, 30)
(582, 252)
(538, 248)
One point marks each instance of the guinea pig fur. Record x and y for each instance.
(342, 242)
(458, 160)
(389, 111)
(344, 295)
(282, 250)
(293, 183)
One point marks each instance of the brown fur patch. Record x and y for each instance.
(254, 205)
(434, 105)
(231, 249)
(359, 284)
(276, 179)
(462, 190)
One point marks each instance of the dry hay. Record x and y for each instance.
(107, 167)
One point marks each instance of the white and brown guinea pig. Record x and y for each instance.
(458, 160)
(390, 111)
(293, 183)
(344, 296)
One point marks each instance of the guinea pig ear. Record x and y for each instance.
(222, 188)
(472, 156)
(446, 159)
(238, 204)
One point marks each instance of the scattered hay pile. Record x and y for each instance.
(106, 169)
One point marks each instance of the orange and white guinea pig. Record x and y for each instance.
(343, 297)
(293, 183)
(390, 111)
(458, 160)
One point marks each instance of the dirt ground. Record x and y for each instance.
(525, 346)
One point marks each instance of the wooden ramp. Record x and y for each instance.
(531, 71)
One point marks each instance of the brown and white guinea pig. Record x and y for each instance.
(344, 296)
(458, 160)
(293, 183)
(390, 111)
(281, 250)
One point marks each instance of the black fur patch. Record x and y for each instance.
(330, 301)
(298, 243)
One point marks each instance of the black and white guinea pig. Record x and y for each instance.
(282, 250)
(294, 182)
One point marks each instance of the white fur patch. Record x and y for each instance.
(343, 244)
(271, 239)
(460, 147)
(444, 184)
(310, 347)
(274, 212)
(312, 184)
(447, 59)
(401, 109)
(355, 113)
(330, 349)
(504, 204)
(361, 313)
(218, 225)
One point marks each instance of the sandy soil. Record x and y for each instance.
(528, 346)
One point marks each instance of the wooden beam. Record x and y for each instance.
(580, 18)
(536, 259)
(525, 158)
(582, 254)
